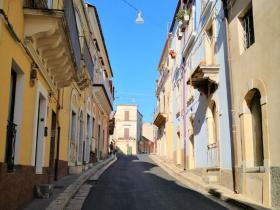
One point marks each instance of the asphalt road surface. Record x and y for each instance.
(135, 182)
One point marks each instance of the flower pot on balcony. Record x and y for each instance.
(172, 53)
(179, 34)
(183, 27)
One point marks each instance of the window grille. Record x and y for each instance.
(248, 29)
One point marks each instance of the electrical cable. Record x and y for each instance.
(130, 5)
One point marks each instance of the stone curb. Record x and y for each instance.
(203, 188)
(62, 200)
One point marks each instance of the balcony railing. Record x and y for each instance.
(102, 80)
(213, 156)
(55, 44)
(69, 13)
(38, 4)
(10, 148)
(88, 61)
(189, 34)
(126, 138)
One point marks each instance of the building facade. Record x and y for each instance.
(225, 95)
(163, 113)
(52, 102)
(128, 129)
(147, 143)
(254, 57)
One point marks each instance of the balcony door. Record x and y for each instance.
(52, 167)
(126, 133)
(41, 121)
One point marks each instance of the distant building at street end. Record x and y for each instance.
(147, 142)
(128, 129)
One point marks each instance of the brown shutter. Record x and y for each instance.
(126, 115)
(126, 133)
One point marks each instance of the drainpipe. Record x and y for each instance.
(184, 115)
(58, 134)
(9, 26)
(232, 111)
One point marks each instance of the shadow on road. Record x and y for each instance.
(135, 182)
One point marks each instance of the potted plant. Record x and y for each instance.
(179, 34)
(172, 53)
(180, 15)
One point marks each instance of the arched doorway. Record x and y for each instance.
(212, 129)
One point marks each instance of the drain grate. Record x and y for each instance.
(92, 182)
(58, 186)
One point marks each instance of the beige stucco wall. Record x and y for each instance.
(134, 124)
(148, 131)
(257, 67)
(122, 146)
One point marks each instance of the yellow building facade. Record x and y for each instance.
(163, 113)
(56, 95)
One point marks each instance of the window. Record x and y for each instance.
(248, 28)
(256, 113)
(210, 44)
(126, 115)
(252, 130)
(73, 126)
(93, 127)
(126, 133)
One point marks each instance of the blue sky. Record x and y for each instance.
(135, 50)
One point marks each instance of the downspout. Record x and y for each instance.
(184, 115)
(9, 26)
(232, 111)
(58, 134)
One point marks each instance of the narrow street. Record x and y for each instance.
(135, 182)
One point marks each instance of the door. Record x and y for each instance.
(98, 142)
(52, 149)
(39, 146)
(81, 145)
(192, 149)
(88, 140)
(129, 150)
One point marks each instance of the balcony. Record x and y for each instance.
(52, 38)
(85, 77)
(103, 89)
(111, 126)
(159, 117)
(162, 80)
(205, 78)
(126, 138)
(189, 34)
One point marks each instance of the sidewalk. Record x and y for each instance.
(195, 182)
(66, 188)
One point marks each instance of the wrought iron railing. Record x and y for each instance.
(38, 4)
(69, 13)
(88, 61)
(213, 156)
(73, 32)
(10, 148)
(102, 80)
